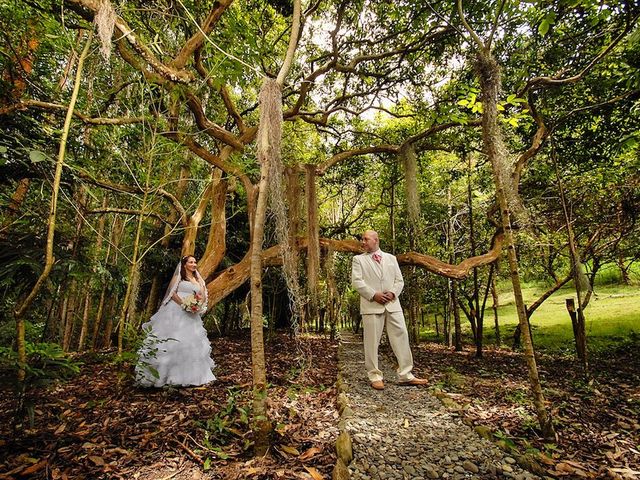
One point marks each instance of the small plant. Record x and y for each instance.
(229, 421)
(529, 421)
(144, 349)
(451, 380)
(46, 363)
(504, 441)
(519, 396)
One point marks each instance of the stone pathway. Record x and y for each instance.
(406, 433)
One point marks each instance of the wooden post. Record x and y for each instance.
(577, 322)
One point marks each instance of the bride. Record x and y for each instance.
(176, 350)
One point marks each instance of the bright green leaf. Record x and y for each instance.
(37, 156)
(544, 27)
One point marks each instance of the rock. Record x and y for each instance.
(340, 471)
(471, 467)
(344, 448)
(483, 431)
(409, 469)
(403, 433)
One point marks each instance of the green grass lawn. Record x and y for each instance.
(613, 316)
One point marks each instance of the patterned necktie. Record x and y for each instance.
(377, 257)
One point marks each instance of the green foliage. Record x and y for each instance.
(231, 420)
(452, 380)
(33, 332)
(505, 441)
(46, 363)
(611, 319)
(518, 396)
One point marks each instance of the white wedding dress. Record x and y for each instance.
(176, 347)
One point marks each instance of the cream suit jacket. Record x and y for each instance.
(367, 277)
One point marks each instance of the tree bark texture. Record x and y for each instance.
(490, 83)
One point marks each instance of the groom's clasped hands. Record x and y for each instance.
(384, 297)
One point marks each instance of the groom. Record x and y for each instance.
(377, 278)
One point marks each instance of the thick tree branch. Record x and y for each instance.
(233, 277)
(536, 143)
(340, 157)
(26, 104)
(427, 262)
(216, 131)
(470, 30)
(89, 8)
(218, 161)
(198, 38)
(293, 43)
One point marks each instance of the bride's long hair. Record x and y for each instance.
(183, 268)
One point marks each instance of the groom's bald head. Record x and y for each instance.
(370, 241)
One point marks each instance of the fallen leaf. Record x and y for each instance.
(315, 474)
(309, 453)
(545, 459)
(60, 429)
(98, 461)
(34, 468)
(290, 450)
(625, 471)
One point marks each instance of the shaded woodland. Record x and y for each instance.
(489, 144)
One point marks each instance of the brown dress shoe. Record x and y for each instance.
(377, 385)
(414, 382)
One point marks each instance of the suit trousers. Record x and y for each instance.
(373, 326)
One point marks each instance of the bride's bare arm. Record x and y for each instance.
(176, 299)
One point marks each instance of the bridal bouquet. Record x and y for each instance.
(193, 303)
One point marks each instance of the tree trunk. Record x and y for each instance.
(624, 272)
(456, 316)
(579, 332)
(580, 281)
(313, 249)
(108, 329)
(216, 244)
(447, 316)
(156, 283)
(131, 293)
(85, 320)
(453, 288)
(490, 83)
(414, 325)
(193, 222)
(70, 318)
(392, 215)
(98, 320)
(51, 223)
(494, 306)
(293, 196)
(476, 312)
(262, 426)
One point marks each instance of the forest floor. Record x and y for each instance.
(597, 420)
(99, 425)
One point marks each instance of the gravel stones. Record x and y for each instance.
(406, 433)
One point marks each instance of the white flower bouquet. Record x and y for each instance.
(193, 303)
